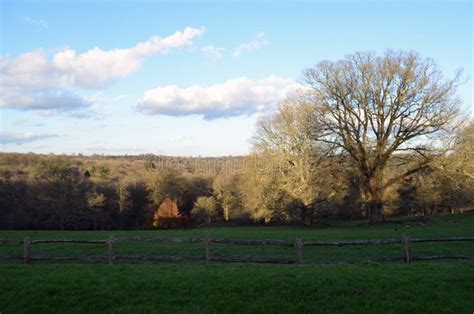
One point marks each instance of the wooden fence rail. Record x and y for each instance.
(159, 239)
(8, 241)
(253, 242)
(207, 241)
(66, 241)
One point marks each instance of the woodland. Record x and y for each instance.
(367, 137)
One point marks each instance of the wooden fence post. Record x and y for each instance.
(207, 248)
(406, 239)
(110, 242)
(26, 249)
(298, 248)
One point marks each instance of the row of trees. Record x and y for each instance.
(367, 136)
(59, 195)
(273, 188)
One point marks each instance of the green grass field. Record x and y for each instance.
(351, 282)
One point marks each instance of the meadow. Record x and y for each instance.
(346, 279)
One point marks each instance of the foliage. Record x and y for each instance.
(367, 137)
(205, 210)
(62, 190)
(229, 197)
(167, 215)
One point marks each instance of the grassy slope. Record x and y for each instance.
(441, 226)
(417, 288)
(86, 287)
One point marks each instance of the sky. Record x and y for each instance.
(191, 78)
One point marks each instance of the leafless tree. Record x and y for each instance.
(377, 107)
(303, 168)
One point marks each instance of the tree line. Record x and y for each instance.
(368, 136)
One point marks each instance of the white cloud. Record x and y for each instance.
(213, 52)
(20, 138)
(234, 97)
(253, 45)
(32, 81)
(120, 98)
(91, 69)
(97, 67)
(181, 139)
(48, 99)
(36, 22)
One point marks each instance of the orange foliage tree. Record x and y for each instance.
(168, 216)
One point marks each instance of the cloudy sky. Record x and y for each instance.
(190, 78)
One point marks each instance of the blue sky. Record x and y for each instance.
(190, 78)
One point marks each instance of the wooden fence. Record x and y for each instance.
(207, 242)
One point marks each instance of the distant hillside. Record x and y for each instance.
(116, 166)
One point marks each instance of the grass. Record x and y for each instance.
(356, 286)
(439, 226)
(166, 288)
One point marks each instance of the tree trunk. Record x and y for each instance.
(307, 214)
(12, 219)
(374, 196)
(226, 212)
(375, 210)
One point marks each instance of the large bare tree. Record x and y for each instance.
(377, 107)
(303, 168)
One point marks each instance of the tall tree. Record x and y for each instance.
(456, 170)
(168, 183)
(14, 200)
(205, 210)
(374, 108)
(302, 168)
(226, 192)
(62, 193)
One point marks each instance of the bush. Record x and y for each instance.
(205, 210)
